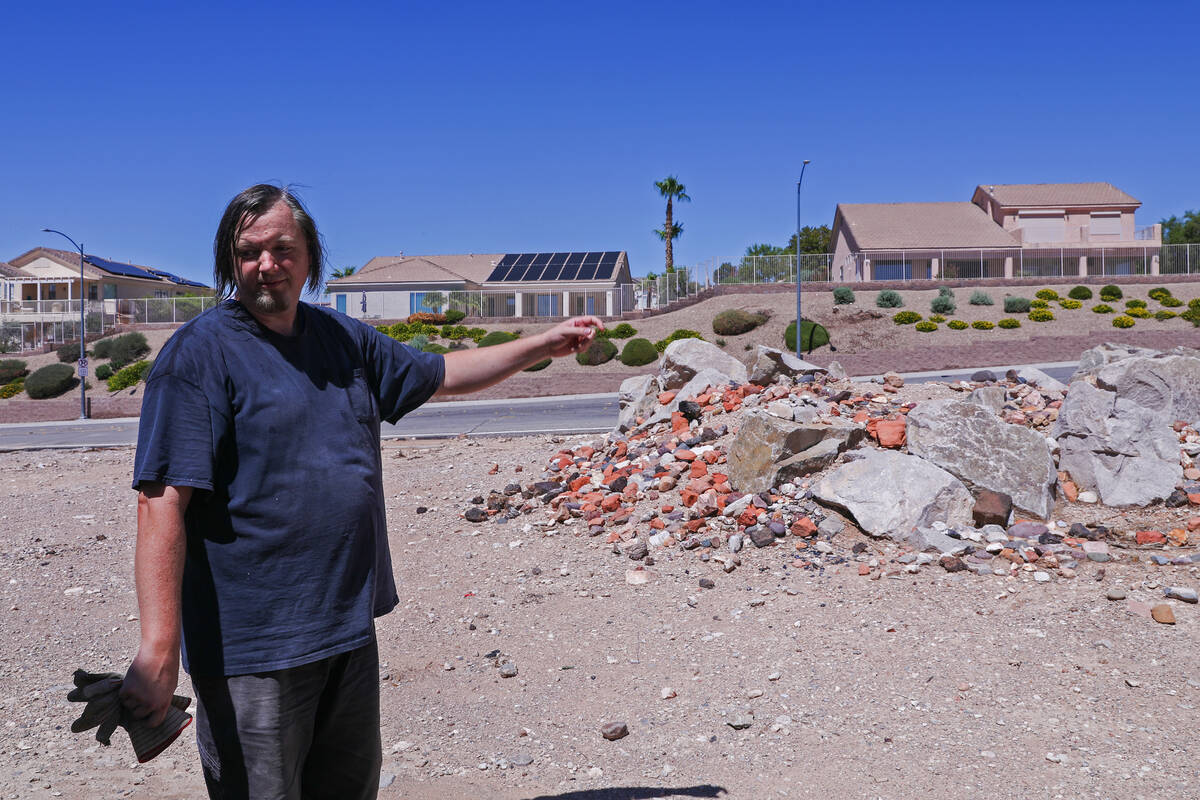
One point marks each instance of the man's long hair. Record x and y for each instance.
(242, 210)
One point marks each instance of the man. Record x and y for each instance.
(261, 544)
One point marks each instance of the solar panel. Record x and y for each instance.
(558, 259)
(575, 259)
(553, 271)
(541, 259)
(523, 260)
(610, 257)
(497, 274)
(116, 268)
(568, 272)
(534, 273)
(580, 265)
(587, 272)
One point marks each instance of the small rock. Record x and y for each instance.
(508, 670)
(614, 730)
(667, 693)
(1088, 497)
(1181, 593)
(475, 514)
(1116, 594)
(1163, 613)
(707, 583)
(740, 722)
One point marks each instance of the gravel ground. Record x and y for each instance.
(927, 685)
(867, 343)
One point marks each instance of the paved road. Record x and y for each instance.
(584, 413)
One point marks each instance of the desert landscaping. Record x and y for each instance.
(727, 596)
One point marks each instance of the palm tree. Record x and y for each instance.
(344, 272)
(671, 189)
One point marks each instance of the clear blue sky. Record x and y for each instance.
(494, 127)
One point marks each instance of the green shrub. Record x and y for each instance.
(735, 321)
(497, 337)
(957, 325)
(982, 325)
(810, 333)
(1163, 314)
(1194, 304)
(638, 352)
(622, 331)
(843, 295)
(945, 291)
(50, 381)
(926, 326)
(1158, 293)
(104, 372)
(1171, 302)
(676, 335)
(980, 298)
(101, 348)
(476, 334)
(12, 388)
(1069, 304)
(1102, 308)
(1080, 293)
(1122, 321)
(1137, 312)
(1016, 305)
(597, 352)
(1135, 303)
(129, 376)
(1192, 315)
(719, 342)
(455, 316)
(1041, 314)
(68, 353)
(938, 318)
(889, 298)
(943, 304)
(1039, 303)
(1046, 294)
(11, 369)
(1110, 293)
(545, 362)
(126, 349)
(906, 317)
(1009, 323)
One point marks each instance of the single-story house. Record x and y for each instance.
(46, 275)
(1006, 230)
(488, 285)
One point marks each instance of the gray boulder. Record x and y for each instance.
(890, 494)
(765, 445)
(1035, 377)
(1168, 386)
(984, 452)
(637, 397)
(685, 357)
(990, 397)
(770, 364)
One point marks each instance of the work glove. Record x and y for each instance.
(104, 711)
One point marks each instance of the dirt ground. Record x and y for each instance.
(929, 685)
(867, 342)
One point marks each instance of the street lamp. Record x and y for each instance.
(799, 186)
(82, 347)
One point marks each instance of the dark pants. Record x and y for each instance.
(301, 733)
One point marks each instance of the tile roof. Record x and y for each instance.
(1057, 195)
(9, 271)
(474, 268)
(913, 226)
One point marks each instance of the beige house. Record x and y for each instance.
(487, 285)
(46, 279)
(1006, 230)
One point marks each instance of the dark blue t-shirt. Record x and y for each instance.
(287, 554)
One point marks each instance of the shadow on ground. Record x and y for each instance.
(637, 793)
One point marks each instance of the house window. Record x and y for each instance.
(547, 305)
(110, 291)
(53, 292)
(416, 302)
(93, 292)
(1045, 227)
(891, 271)
(340, 303)
(1106, 223)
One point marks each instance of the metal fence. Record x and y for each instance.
(31, 325)
(966, 264)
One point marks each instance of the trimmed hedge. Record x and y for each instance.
(1171, 302)
(129, 376)
(676, 335)
(938, 318)
(1046, 294)
(1111, 292)
(735, 322)
(598, 351)
(622, 331)
(455, 316)
(981, 298)
(497, 337)
(1122, 322)
(926, 326)
(1138, 312)
(943, 303)
(1164, 315)
(906, 317)
(1070, 304)
(1041, 315)
(638, 352)
(1080, 293)
(843, 295)
(1016, 305)
(68, 353)
(11, 369)
(427, 317)
(50, 381)
(889, 298)
(957, 325)
(982, 325)
(1158, 293)
(1135, 303)
(12, 388)
(104, 372)
(1102, 308)
(1009, 323)
(545, 362)
(1039, 303)
(820, 337)
(124, 349)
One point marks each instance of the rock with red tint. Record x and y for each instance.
(890, 432)
(863, 569)
(1193, 524)
(1150, 537)
(991, 508)
(1163, 613)
(1070, 491)
(679, 423)
(665, 398)
(683, 454)
(804, 527)
(611, 503)
(1178, 537)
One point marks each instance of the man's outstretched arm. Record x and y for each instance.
(158, 572)
(472, 370)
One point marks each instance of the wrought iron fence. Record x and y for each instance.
(814, 267)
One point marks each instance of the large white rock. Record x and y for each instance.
(984, 452)
(683, 358)
(766, 444)
(770, 364)
(637, 397)
(890, 494)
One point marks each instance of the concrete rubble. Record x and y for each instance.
(810, 472)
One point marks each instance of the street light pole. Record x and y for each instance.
(82, 331)
(799, 186)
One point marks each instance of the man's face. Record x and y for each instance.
(272, 264)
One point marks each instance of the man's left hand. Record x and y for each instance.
(572, 335)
